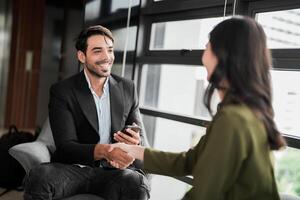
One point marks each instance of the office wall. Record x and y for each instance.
(62, 23)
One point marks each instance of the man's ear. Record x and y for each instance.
(81, 56)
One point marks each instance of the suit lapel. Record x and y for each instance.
(86, 101)
(116, 104)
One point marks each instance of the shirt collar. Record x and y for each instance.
(105, 87)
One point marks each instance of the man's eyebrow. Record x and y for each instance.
(100, 48)
(97, 48)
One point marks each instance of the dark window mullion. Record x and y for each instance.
(116, 18)
(169, 60)
(187, 15)
(285, 53)
(171, 6)
(174, 117)
(292, 141)
(271, 5)
(286, 64)
(186, 57)
(119, 56)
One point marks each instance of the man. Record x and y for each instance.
(87, 112)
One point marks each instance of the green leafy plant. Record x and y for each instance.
(287, 172)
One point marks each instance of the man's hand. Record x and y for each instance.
(119, 158)
(113, 154)
(136, 151)
(131, 137)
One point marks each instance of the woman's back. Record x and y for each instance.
(234, 161)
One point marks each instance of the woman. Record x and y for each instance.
(232, 161)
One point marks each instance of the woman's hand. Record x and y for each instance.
(125, 147)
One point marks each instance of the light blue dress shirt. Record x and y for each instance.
(103, 111)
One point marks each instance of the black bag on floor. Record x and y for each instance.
(11, 172)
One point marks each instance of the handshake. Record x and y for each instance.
(123, 153)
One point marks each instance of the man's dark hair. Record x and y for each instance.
(81, 40)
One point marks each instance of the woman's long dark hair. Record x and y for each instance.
(244, 61)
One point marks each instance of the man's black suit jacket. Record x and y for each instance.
(74, 121)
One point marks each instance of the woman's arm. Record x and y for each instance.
(164, 163)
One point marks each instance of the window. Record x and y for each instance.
(282, 28)
(92, 10)
(117, 4)
(184, 34)
(120, 35)
(167, 133)
(171, 80)
(286, 101)
(117, 69)
(283, 36)
(175, 88)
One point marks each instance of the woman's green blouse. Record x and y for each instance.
(231, 161)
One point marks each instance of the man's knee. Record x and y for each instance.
(40, 175)
(46, 180)
(36, 182)
(55, 180)
(134, 185)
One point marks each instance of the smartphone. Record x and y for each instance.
(135, 128)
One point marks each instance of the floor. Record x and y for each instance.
(11, 195)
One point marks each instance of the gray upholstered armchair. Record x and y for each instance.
(34, 153)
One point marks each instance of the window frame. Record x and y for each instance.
(168, 10)
(282, 58)
(149, 12)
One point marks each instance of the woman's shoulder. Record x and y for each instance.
(237, 122)
(237, 112)
(237, 117)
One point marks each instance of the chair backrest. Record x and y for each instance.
(46, 136)
(33, 153)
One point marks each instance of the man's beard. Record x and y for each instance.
(98, 74)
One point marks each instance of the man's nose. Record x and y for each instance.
(106, 55)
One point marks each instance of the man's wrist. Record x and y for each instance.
(101, 151)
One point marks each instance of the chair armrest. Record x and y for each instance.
(185, 179)
(30, 154)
